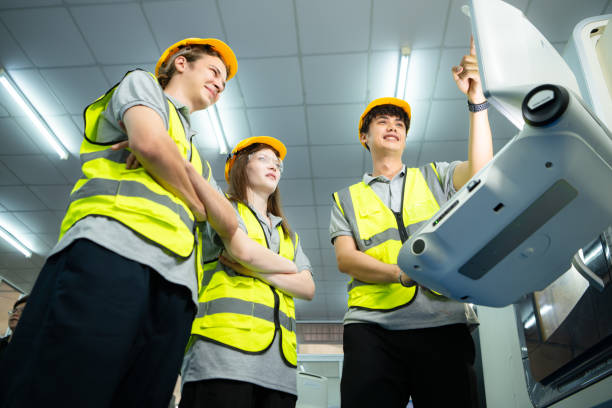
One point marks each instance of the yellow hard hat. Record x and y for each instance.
(267, 140)
(382, 101)
(228, 56)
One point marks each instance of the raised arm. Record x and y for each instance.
(480, 145)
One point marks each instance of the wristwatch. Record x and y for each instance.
(477, 107)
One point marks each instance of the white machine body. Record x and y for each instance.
(515, 226)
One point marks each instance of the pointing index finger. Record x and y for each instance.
(472, 46)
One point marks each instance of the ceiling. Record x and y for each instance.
(307, 69)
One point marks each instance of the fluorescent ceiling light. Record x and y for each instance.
(402, 73)
(217, 127)
(35, 117)
(15, 242)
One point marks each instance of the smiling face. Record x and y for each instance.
(386, 132)
(263, 170)
(202, 80)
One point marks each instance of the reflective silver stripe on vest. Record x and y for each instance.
(239, 306)
(117, 156)
(344, 196)
(129, 188)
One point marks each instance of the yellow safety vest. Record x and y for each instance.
(379, 232)
(132, 197)
(245, 313)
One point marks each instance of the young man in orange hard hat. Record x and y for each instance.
(402, 340)
(111, 312)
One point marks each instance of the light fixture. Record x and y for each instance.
(33, 115)
(15, 242)
(402, 73)
(217, 128)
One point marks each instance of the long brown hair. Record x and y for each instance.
(239, 181)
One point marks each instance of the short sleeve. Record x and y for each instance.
(136, 88)
(445, 172)
(338, 224)
(301, 260)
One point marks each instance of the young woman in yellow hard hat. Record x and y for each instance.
(243, 348)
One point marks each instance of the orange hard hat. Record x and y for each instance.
(267, 140)
(227, 55)
(382, 101)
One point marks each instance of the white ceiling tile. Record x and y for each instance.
(337, 161)
(130, 40)
(8, 4)
(300, 216)
(34, 169)
(235, 125)
(78, 122)
(448, 120)
(324, 238)
(254, 31)
(48, 36)
(335, 78)
(501, 128)
(50, 239)
(3, 112)
(13, 140)
(271, 82)
(418, 122)
(334, 124)
(68, 133)
(287, 124)
(556, 19)
(70, 168)
(12, 224)
(205, 138)
(35, 136)
(12, 56)
(44, 222)
(323, 213)
(314, 256)
(54, 197)
(15, 260)
(7, 177)
(414, 23)
(309, 238)
(459, 27)
(608, 9)
(296, 191)
(231, 96)
(34, 87)
(19, 198)
(76, 87)
(443, 151)
(198, 18)
(324, 188)
(115, 73)
(422, 69)
(382, 76)
(342, 27)
(296, 163)
(445, 84)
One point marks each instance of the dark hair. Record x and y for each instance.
(388, 109)
(191, 53)
(20, 301)
(239, 181)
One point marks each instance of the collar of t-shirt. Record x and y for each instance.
(275, 220)
(182, 108)
(369, 179)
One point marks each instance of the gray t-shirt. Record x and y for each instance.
(138, 88)
(426, 310)
(206, 360)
